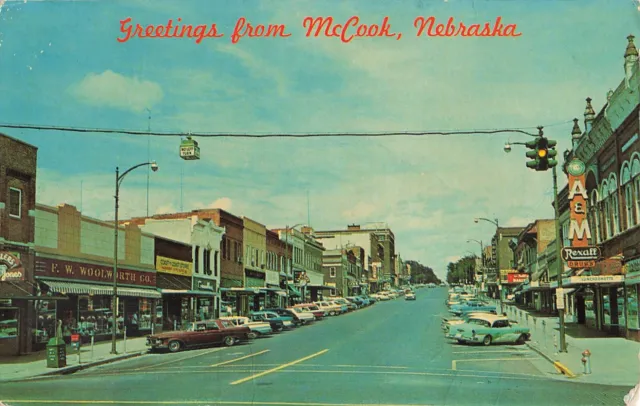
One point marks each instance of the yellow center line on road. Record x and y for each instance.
(454, 363)
(239, 359)
(283, 366)
(178, 360)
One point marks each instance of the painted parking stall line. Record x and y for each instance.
(239, 359)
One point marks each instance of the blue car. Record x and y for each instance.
(471, 306)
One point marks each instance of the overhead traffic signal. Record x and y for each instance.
(541, 154)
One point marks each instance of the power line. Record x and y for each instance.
(271, 135)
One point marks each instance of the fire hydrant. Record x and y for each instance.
(586, 361)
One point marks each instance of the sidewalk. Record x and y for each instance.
(33, 365)
(614, 360)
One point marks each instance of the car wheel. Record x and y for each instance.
(252, 335)
(486, 340)
(332, 313)
(229, 341)
(175, 346)
(460, 342)
(521, 339)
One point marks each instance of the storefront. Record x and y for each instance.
(89, 289)
(174, 281)
(206, 298)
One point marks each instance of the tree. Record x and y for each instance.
(462, 271)
(422, 274)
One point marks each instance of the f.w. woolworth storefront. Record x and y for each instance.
(74, 258)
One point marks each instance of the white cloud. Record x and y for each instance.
(360, 212)
(223, 203)
(111, 89)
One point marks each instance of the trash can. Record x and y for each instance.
(56, 353)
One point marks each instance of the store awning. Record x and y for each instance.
(295, 292)
(251, 291)
(321, 287)
(276, 291)
(90, 289)
(186, 292)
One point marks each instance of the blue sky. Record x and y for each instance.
(60, 64)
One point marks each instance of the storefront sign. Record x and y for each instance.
(581, 264)
(632, 266)
(173, 266)
(581, 280)
(517, 277)
(55, 268)
(579, 231)
(11, 268)
(581, 253)
(204, 284)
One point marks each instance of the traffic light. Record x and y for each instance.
(541, 154)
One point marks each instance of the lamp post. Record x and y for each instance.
(114, 300)
(497, 224)
(287, 240)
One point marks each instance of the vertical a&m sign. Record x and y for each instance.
(579, 254)
(579, 231)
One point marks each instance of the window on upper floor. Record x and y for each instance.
(332, 272)
(627, 189)
(15, 202)
(615, 206)
(593, 215)
(196, 258)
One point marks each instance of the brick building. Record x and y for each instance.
(18, 167)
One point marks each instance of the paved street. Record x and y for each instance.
(390, 353)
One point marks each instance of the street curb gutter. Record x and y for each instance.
(559, 366)
(76, 368)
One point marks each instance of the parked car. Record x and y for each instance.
(278, 323)
(447, 322)
(199, 334)
(346, 302)
(257, 328)
(489, 329)
(305, 316)
(298, 319)
(342, 308)
(472, 306)
(330, 308)
(317, 312)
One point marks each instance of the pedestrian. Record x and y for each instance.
(134, 324)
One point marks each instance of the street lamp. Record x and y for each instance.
(287, 241)
(114, 301)
(495, 222)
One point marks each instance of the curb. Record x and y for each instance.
(559, 366)
(76, 368)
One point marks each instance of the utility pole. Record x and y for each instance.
(148, 155)
(563, 345)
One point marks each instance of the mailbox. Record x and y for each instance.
(75, 342)
(56, 353)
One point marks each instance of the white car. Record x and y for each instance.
(305, 316)
(257, 328)
(329, 308)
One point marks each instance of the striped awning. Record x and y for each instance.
(89, 289)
